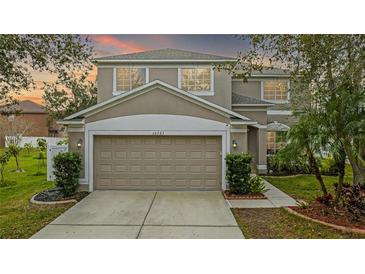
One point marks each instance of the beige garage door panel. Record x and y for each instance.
(157, 162)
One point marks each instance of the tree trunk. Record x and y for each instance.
(17, 163)
(315, 170)
(358, 168)
(358, 175)
(341, 164)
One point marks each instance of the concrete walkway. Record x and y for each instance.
(145, 214)
(275, 198)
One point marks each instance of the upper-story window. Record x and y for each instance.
(129, 78)
(275, 90)
(197, 80)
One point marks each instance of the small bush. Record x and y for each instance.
(329, 167)
(28, 148)
(325, 199)
(238, 172)
(42, 144)
(283, 164)
(67, 167)
(353, 200)
(256, 185)
(302, 204)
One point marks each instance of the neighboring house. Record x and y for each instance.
(165, 119)
(35, 116)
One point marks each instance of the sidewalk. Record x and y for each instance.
(275, 198)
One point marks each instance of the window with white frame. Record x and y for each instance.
(196, 79)
(129, 78)
(276, 140)
(276, 90)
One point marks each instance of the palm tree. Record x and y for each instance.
(306, 136)
(343, 119)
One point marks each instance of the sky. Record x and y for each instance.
(105, 44)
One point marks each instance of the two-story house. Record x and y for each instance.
(165, 119)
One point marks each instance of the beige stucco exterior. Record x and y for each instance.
(239, 135)
(167, 75)
(258, 113)
(222, 90)
(104, 82)
(250, 88)
(73, 138)
(157, 101)
(257, 148)
(222, 82)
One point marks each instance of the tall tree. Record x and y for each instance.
(319, 66)
(22, 54)
(69, 94)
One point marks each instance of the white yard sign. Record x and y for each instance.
(53, 150)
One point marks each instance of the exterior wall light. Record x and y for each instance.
(79, 144)
(234, 144)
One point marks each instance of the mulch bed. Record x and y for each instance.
(328, 214)
(55, 195)
(230, 196)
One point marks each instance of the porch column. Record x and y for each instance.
(261, 151)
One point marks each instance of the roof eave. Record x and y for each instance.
(71, 122)
(164, 61)
(252, 105)
(243, 123)
(269, 76)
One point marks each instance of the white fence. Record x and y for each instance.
(33, 140)
(53, 150)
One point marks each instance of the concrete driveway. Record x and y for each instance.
(146, 214)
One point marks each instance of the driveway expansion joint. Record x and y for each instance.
(145, 217)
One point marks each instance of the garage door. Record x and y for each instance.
(157, 162)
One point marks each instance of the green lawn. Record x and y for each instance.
(277, 223)
(19, 218)
(306, 187)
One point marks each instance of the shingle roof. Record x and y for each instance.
(266, 72)
(165, 54)
(239, 99)
(26, 106)
(273, 71)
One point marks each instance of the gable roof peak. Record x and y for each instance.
(196, 99)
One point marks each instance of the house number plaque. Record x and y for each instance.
(158, 133)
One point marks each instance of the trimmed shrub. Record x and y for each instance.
(28, 148)
(329, 167)
(256, 185)
(283, 164)
(67, 167)
(238, 172)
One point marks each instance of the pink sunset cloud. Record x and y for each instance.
(124, 46)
